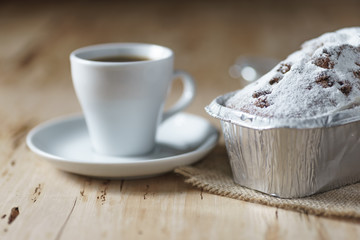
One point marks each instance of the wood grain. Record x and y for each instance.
(35, 85)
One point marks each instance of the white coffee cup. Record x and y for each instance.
(123, 101)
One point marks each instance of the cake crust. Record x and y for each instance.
(321, 78)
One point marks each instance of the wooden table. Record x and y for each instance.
(35, 85)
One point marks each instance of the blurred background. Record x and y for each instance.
(36, 37)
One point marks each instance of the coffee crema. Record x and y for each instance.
(121, 58)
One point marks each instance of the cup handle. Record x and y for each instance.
(186, 97)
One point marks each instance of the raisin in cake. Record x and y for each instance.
(321, 78)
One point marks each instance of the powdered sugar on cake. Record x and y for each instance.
(321, 78)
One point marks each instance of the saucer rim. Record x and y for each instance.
(205, 146)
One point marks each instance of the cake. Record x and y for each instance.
(321, 78)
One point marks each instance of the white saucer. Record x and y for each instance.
(182, 140)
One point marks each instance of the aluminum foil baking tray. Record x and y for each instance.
(290, 158)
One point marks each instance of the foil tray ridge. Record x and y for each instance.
(290, 162)
(217, 109)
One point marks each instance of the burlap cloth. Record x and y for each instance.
(213, 174)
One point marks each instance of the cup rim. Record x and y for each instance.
(76, 54)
